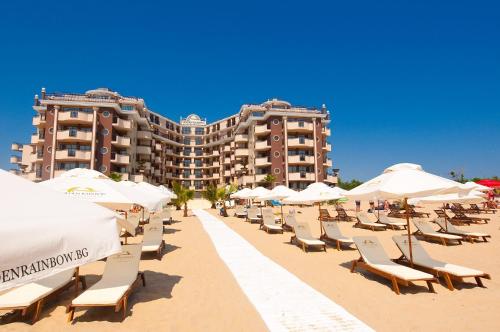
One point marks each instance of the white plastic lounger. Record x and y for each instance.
(252, 215)
(440, 269)
(364, 222)
(167, 218)
(35, 293)
(333, 233)
(290, 222)
(425, 229)
(394, 223)
(153, 238)
(120, 276)
(374, 259)
(269, 224)
(448, 228)
(305, 239)
(240, 211)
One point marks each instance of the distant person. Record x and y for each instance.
(358, 205)
(386, 205)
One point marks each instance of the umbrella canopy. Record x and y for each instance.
(489, 183)
(156, 191)
(45, 232)
(167, 191)
(314, 193)
(241, 193)
(254, 193)
(472, 197)
(151, 200)
(475, 186)
(278, 193)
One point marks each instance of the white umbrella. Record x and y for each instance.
(404, 181)
(472, 197)
(156, 191)
(278, 193)
(475, 186)
(152, 201)
(167, 191)
(45, 232)
(256, 192)
(241, 193)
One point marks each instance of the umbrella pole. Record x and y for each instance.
(320, 221)
(282, 216)
(408, 230)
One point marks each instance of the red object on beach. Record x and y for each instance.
(489, 183)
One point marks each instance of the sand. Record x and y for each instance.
(191, 289)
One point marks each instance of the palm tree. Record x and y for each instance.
(269, 180)
(115, 176)
(212, 194)
(184, 195)
(224, 193)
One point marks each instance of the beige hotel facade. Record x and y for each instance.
(102, 130)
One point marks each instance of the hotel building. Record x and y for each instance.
(103, 130)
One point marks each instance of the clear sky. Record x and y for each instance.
(405, 81)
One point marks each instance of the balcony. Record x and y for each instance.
(16, 147)
(137, 178)
(299, 126)
(157, 160)
(120, 158)
(262, 145)
(73, 135)
(122, 124)
(215, 153)
(15, 160)
(215, 164)
(157, 172)
(36, 138)
(260, 177)
(328, 163)
(169, 151)
(142, 134)
(300, 142)
(328, 147)
(158, 147)
(143, 149)
(146, 165)
(227, 173)
(241, 138)
(168, 163)
(121, 141)
(262, 129)
(58, 172)
(36, 157)
(326, 132)
(300, 159)
(241, 152)
(302, 176)
(73, 155)
(38, 120)
(74, 117)
(331, 179)
(227, 148)
(262, 161)
(215, 176)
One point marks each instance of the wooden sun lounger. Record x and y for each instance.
(475, 207)
(36, 293)
(456, 221)
(395, 213)
(152, 240)
(394, 223)
(305, 239)
(469, 236)
(374, 259)
(343, 216)
(333, 233)
(120, 276)
(426, 263)
(460, 208)
(324, 215)
(461, 216)
(364, 222)
(425, 230)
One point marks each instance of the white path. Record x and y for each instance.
(284, 302)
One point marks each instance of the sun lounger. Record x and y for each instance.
(364, 222)
(167, 218)
(305, 239)
(152, 240)
(425, 229)
(252, 215)
(324, 215)
(374, 259)
(35, 293)
(455, 220)
(120, 276)
(394, 223)
(468, 220)
(469, 236)
(290, 222)
(477, 209)
(269, 224)
(440, 269)
(332, 233)
(342, 215)
(395, 212)
(240, 211)
(416, 214)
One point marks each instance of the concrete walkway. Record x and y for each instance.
(284, 302)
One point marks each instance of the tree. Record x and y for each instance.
(184, 195)
(212, 194)
(269, 180)
(349, 184)
(115, 176)
(224, 193)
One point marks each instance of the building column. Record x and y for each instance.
(315, 152)
(54, 142)
(94, 129)
(285, 130)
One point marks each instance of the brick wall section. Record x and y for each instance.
(277, 146)
(104, 140)
(319, 145)
(49, 120)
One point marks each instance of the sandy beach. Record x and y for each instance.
(191, 289)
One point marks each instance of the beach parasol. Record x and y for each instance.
(167, 191)
(489, 183)
(278, 193)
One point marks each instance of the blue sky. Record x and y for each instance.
(406, 81)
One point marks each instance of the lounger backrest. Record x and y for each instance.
(252, 212)
(168, 213)
(303, 231)
(448, 226)
(240, 209)
(153, 233)
(341, 212)
(332, 230)
(418, 252)
(267, 211)
(269, 219)
(123, 267)
(371, 250)
(323, 213)
(363, 217)
(290, 220)
(423, 226)
(441, 213)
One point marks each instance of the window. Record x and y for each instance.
(276, 138)
(127, 107)
(104, 150)
(105, 132)
(198, 131)
(277, 171)
(198, 163)
(199, 141)
(186, 162)
(276, 154)
(186, 130)
(276, 122)
(103, 168)
(106, 114)
(51, 130)
(187, 141)
(198, 152)
(49, 149)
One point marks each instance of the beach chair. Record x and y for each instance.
(456, 221)
(342, 215)
(305, 239)
(395, 212)
(290, 222)
(425, 229)
(422, 260)
(459, 207)
(477, 209)
(120, 276)
(364, 222)
(167, 218)
(269, 224)
(332, 233)
(449, 228)
(459, 215)
(394, 223)
(252, 215)
(374, 259)
(152, 240)
(240, 211)
(36, 293)
(324, 215)
(416, 214)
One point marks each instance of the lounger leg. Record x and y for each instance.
(124, 307)
(443, 241)
(484, 239)
(71, 313)
(479, 281)
(38, 311)
(24, 311)
(338, 245)
(83, 282)
(447, 279)
(431, 286)
(143, 279)
(395, 286)
(353, 267)
(304, 247)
